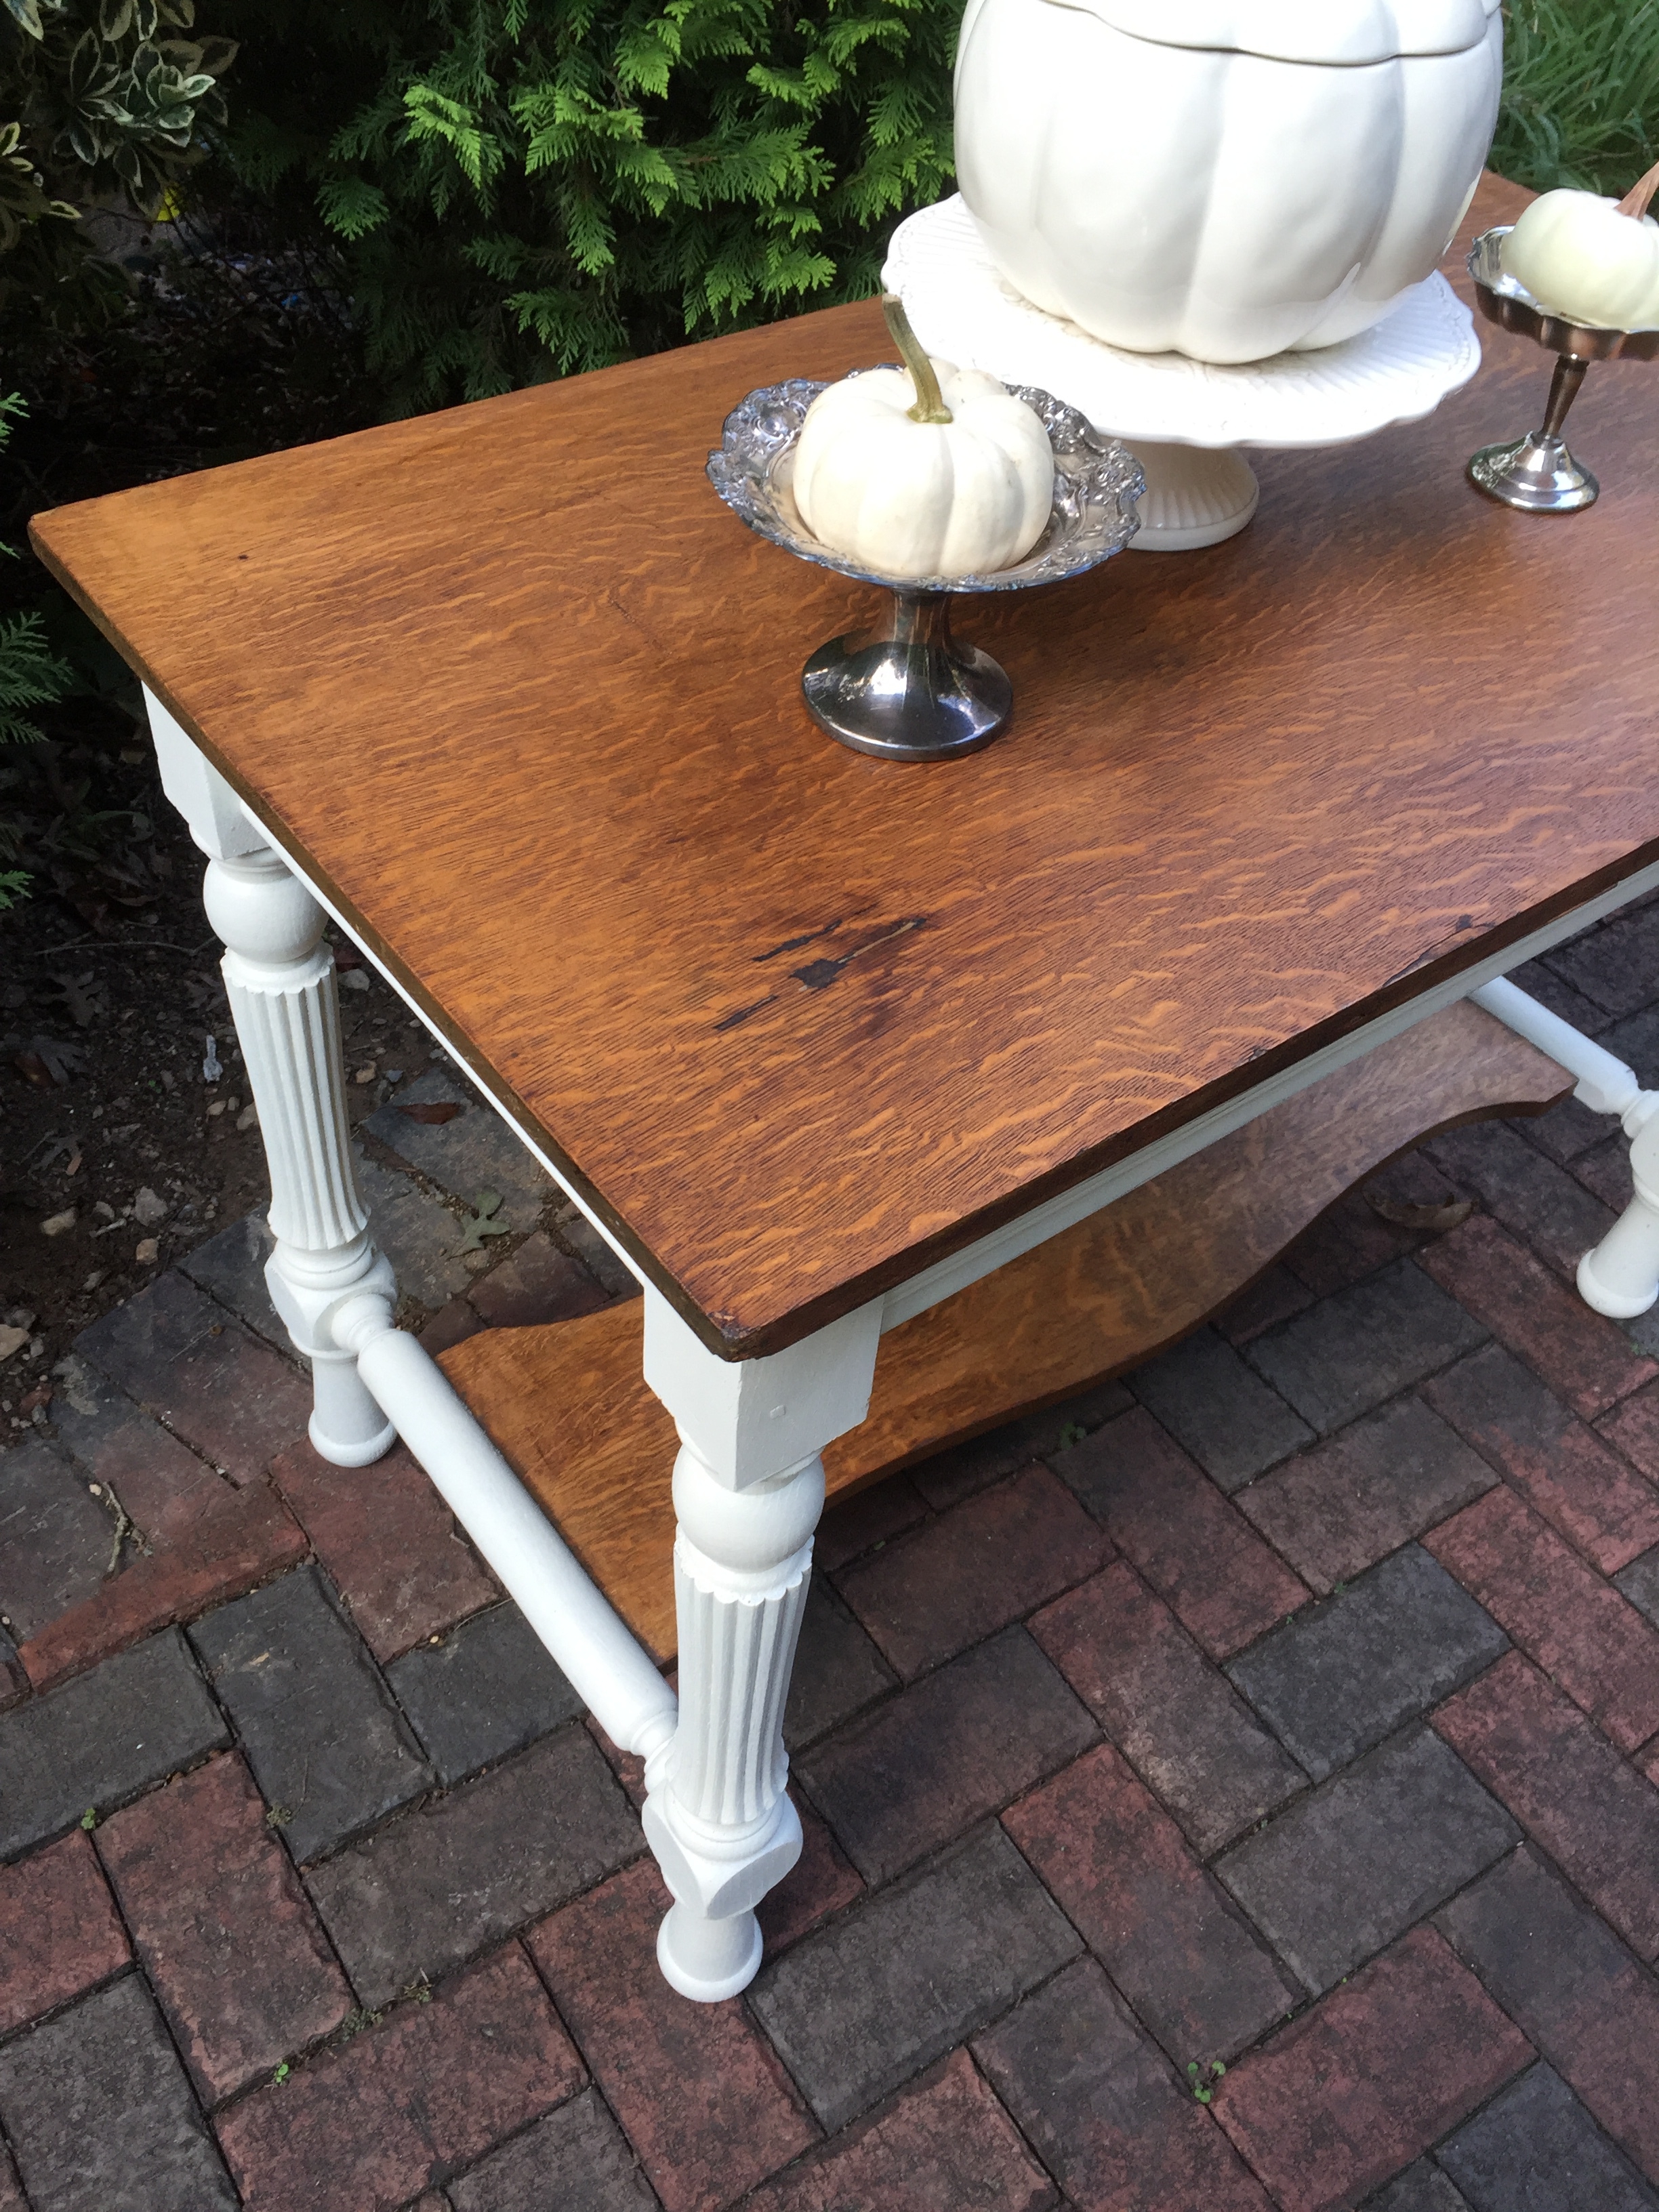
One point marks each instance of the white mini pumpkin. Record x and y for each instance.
(1594, 260)
(1224, 178)
(930, 471)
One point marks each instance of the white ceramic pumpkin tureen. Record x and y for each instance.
(1223, 179)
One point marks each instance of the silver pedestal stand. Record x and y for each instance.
(904, 689)
(1537, 473)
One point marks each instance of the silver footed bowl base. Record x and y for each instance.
(1535, 473)
(905, 690)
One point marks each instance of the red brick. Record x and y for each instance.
(1171, 1940)
(700, 2092)
(1561, 1467)
(946, 2145)
(1634, 1428)
(1582, 1632)
(162, 1486)
(1336, 1510)
(870, 1518)
(236, 1541)
(1585, 1358)
(399, 1591)
(1197, 1551)
(1103, 2107)
(403, 2103)
(821, 1881)
(1181, 1723)
(227, 1934)
(535, 1285)
(1568, 1788)
(973, 1569)
(1378, 2071)
(1604, 1170)
(58, 1931)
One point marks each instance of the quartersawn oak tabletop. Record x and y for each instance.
(513, 684)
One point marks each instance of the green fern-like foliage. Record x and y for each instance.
(523, 188)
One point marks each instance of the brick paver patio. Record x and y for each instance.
(1291, 1708)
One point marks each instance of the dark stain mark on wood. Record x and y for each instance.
(794, 943)
(819, 974)
(731, 1021)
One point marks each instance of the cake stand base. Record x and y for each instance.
(1195, 495)
(1182, 420)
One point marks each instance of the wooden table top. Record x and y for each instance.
(519, 691)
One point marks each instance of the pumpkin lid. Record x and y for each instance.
(1341, 31)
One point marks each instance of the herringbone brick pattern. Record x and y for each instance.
(1235, 1791)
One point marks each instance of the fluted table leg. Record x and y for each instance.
(748, 1491)
(280, 979)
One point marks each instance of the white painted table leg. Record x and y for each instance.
(280, 979)
(748, 1491)
(1621, 1276)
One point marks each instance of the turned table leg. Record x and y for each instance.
(748, 1491)
(280, 979)
(1621, 1276)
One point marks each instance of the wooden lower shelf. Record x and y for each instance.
(567, 1405)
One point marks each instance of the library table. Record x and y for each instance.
(927, 1093)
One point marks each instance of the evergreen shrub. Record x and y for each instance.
(522, 188)
(100, 100)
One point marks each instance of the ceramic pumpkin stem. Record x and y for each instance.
(1638, 199)
(930, 405)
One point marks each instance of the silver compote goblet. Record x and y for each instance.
(904, 689)
(1537, 473)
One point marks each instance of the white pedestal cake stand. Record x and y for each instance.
(1183, 420)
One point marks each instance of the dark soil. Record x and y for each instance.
(109, 984)
(104, 1096)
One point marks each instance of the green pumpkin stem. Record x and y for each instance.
(930, 405)
(1637, 198)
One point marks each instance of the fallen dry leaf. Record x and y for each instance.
(439, 1110)
(1405, 1215)
(11, 1340)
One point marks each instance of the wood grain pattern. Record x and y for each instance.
(570, 1407)
(523, 694)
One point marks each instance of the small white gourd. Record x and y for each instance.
(1595, 261)
(939, 471)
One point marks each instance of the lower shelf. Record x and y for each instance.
(567, 1405)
